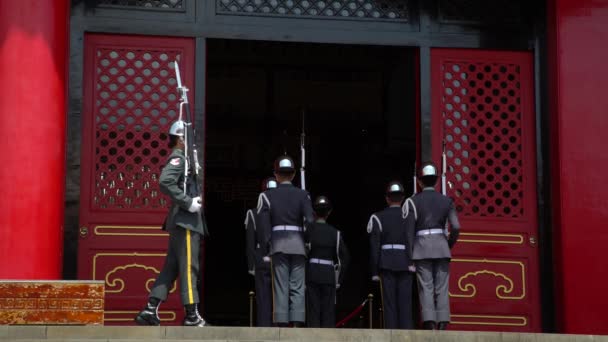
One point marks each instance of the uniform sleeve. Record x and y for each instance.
(344, 256)
(250, 233)
(168, 182)
(409, 214)
(307, 210)
(454, 225)
(263, 222)
(373, 228)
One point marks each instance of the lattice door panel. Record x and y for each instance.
(483, 113)
(134, 103)
(482, 116)
(130, 101)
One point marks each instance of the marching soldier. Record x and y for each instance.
(391, 263)
(259, 263)
(284, 212)
(426, 213)
(328, 259)
(186, 229)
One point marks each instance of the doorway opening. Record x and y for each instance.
(359, 104)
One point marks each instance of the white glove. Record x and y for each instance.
(266, 259)
(411, 268)
(337, 286)
(375, 278)
(252, 272)
(196, 205)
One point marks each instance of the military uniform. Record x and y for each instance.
(259, 267)
(390, 259)
(186, 229)
(426, 213)
(283, 212)
(328, 253)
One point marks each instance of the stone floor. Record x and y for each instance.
(112, 334)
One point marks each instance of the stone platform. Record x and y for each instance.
(160, 334)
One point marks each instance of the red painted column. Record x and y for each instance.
(33, 96)
(578, 36)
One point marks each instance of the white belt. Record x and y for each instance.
(393, 246)
(429, 231)
(287, 228)
(321, 261)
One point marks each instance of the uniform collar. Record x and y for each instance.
(178, 151)
(395, 206)
(429, 188)
(321, 221)
(285, 183)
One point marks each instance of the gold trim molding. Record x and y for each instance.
(502, 291)
(508, 239)
(137, 231)
(120, 281)
(516, 321)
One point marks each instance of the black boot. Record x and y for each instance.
(297, 324)
(442, 326)
(193, 318)
(428, 325)
(149, 315)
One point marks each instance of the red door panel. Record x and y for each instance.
(483, 109)
(130, 100)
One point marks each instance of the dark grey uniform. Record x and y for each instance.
(390, 254)
(259, 268)
(328, 253)
(426, 213)
(185, 233)
(283, 212)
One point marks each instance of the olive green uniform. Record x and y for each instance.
(185, 229)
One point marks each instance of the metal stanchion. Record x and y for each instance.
(251, 297)
(370, 298)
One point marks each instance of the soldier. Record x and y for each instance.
(259, 263)
(328, 259)
(284, 212)
(186, 229)
(426, 213)
(391, 263)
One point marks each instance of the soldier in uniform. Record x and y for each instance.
(427, 213)
(327, 262)
(391, 263)
(186, 229)
(284, 212)
(259, 262)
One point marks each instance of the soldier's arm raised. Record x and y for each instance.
(168, 182)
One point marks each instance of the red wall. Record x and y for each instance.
(33, 92)
(578, 38)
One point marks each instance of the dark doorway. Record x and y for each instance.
(360, 109)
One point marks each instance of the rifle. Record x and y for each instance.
(303, 153)
(415, 180)
(192, 187)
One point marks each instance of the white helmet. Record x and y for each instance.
(178, 128)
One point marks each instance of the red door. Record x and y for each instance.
(130, 100)
(483, 109)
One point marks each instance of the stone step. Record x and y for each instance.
(165, 334)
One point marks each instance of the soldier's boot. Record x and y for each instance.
(149, 315)
(193, 318)
(428, 325)
(442, 326)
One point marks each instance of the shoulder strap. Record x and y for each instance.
(261, 199)
(370, 224)
(405, 209)
(248, 217)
